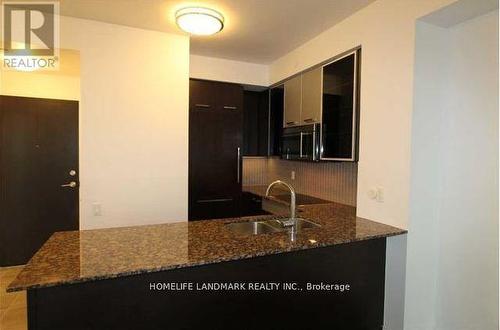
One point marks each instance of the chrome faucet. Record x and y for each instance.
(292, 221)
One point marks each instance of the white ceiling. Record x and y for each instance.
(257, 31)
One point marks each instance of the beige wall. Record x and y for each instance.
(386, 32)
(469, 203)
(219, 69)
(430, 73)
(61, 84)
(452, 280)
(133, 123)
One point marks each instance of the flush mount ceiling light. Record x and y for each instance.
(199, 21)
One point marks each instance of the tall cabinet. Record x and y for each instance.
(215, 142)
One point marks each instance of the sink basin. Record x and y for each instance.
(268, 226)
(301, 224)
(252, 228)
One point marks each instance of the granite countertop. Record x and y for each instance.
(81, 256)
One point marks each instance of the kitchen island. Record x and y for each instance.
(202, 275)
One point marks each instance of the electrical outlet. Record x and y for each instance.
(372, 193)
(97, 209)
(377, 194)
(292, 175)
(380, 194)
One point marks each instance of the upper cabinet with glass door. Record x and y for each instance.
(339, 131)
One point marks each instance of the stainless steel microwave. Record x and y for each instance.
(301, 143)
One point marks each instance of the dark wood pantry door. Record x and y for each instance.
(215, 140)
(38, 174)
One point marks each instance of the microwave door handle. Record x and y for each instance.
(314, 146)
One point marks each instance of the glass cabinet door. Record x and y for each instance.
(339, 117)
(277, 99)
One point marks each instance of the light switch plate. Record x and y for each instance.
(97, 209)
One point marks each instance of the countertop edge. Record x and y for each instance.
(111, 276)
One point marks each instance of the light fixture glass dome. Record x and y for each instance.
(199, 21)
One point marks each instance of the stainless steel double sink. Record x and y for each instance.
(268, 226)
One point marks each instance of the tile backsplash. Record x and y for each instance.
(328, 180)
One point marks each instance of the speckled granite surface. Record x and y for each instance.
(80, 256)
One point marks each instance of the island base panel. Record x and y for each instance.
(130, 303)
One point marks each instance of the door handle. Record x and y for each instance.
(72, 184)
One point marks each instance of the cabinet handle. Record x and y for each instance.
(238, 174)
(199, 105)
(308, 120)
(219, 200)
(292, 122)
(227, 107)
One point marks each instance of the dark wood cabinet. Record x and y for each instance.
(215, 141)
(229, 98)
(130, 303)
(225, 124)
(201, 95)
(251, 205)
(256, 123)
(276, 109)
(340, 113)
(263, 122)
